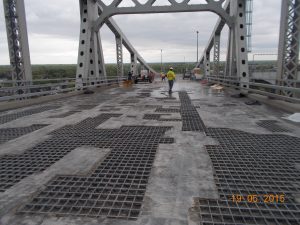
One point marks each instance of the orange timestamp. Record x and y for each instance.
(255, 198)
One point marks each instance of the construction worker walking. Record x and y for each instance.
(171, 78)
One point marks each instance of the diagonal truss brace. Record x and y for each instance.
(288, 51)
(91, 67)
(149, 7)
(217, 31)
(18, 43)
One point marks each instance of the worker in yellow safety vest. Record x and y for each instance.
(171, 78)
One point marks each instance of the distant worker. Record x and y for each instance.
(129, 75)
(171, 77)
(163, 76)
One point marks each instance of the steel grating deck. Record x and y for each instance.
(14, 168)
(117, 186)
(271, 125)
(191, 121)
(158, 118)
(63, 115)
(10, 117)
(8, 134)
(249, 171)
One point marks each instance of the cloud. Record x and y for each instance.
(53, 27)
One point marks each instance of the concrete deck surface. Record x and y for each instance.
(181, 170)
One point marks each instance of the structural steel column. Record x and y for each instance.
(119, 51)
(217, 40)
(18, 46)
(207, 65)
(133, 64)
(288, 51)
(101, 65)
(90, 66)
(238, 10)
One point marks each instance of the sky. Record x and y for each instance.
(53, 31)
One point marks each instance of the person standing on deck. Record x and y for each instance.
(171, 78)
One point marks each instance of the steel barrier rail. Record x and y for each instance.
(265, 93)
(266, 79)
(106, 82)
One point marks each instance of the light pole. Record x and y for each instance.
(197, 46)
(161, 66)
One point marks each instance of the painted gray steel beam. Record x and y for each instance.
(288, 50)
(15, 17)
(117, 31)
(148, 7)
(217, 41)
(217, 31)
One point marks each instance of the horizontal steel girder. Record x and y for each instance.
(149, 7)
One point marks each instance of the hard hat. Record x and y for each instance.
(171, 68)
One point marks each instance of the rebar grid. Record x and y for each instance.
(10, 117)
(250, 165)
(116, 188)
(191, 121)
(14, 168)
(271, 125)
(8, 134)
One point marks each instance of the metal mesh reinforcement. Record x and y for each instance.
(10, 117)
(14, 168)
(191, 121)
(158, 117)
(250, 165)
(8, 134)
(63, 115)
(271, 125)
(116, 188)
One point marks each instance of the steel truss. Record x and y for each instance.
(91, 67)
(18, 46)
(152, 6)
(288, 52)
(237, 58)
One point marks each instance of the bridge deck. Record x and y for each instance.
(139, 156)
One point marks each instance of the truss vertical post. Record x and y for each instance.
(207, 64)
(231, 71)
(217, 40)
(18, 46)
(288, 51)
(238, 10)
(119, 51)
(102, 77)
(133, 64)
(90, 56)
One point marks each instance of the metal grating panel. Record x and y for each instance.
(86, 107)
(247, 165)
(271, 125)
(129, 101)
(167, 110)
(14, 168)
(8, 134)
(10, 117)
(158, 117)
(191, 121)
(116, 188)
(63, 115)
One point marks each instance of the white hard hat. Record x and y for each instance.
(171, 68)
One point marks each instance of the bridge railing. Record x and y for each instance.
(11, 90)
(262, 87)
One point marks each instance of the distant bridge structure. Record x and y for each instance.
(233, 13)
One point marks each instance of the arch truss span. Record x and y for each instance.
(152, 6)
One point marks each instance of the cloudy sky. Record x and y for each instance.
(53, 28)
